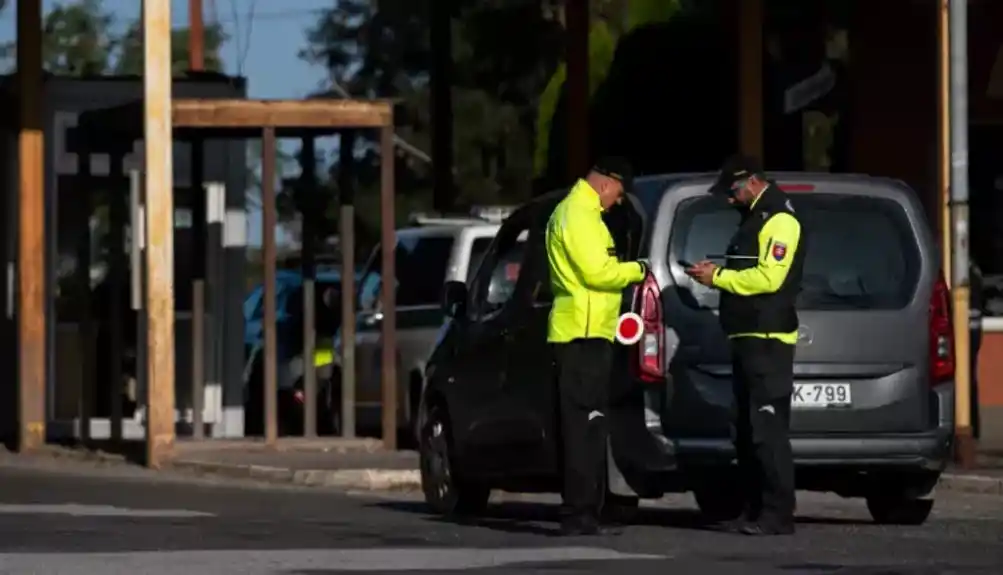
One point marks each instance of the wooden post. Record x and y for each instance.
(750, 78)
(389, 245)
(308, 193)
(160, 231)
(346, 234)
(268, 208)
(944, 137)
(31, 231)
(196, 36)
(576, 14)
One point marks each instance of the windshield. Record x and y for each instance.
(420, 266)
(862, 253)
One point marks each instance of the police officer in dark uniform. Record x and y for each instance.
(759, 284)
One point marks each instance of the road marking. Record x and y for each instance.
(258, 562)
(77, 510)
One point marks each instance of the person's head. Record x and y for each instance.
(610, 178)
(741, 180)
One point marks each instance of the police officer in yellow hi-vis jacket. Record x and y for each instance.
(759, 284)
(587, 280)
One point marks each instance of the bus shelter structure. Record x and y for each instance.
(162, 120)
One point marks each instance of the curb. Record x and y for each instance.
(371, 479)
(965, 483)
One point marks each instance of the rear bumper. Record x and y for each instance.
(927, 450)
(930, 450)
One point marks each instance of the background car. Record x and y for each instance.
(291, 362)
(873, 399)
(428, 254)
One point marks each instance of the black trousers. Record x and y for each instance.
(583, 370)
(763, 382)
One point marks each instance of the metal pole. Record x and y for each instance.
(196, 62)
(118, 216)
(442, 105)
(160, 231)
(750, 77)
(959, 215)
(346, 233)
(268, 257)
(308, 189)
(576, 14)
(389, 325)
(944, 137)
(31, 231)
(198, 262)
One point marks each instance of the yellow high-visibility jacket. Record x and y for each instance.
(585, 276)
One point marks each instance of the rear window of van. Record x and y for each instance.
(862, 252)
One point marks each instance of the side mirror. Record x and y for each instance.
(454, 299)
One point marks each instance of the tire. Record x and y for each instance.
(719, 502)
(445, 489)
(897, 510)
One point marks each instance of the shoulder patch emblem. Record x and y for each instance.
(779, 251)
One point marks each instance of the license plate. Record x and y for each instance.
(820, 395)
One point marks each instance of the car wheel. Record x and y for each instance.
(897, 510)
(719, 501)
(445, 489)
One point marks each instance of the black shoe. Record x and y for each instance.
(767, 528)
(579, 525)
(736, 525)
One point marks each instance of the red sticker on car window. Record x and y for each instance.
(512, 272)
(779, 251)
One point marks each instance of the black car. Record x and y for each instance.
(873, 403)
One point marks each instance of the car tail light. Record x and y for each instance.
(797, 187)
(648, 360)
(941, 334)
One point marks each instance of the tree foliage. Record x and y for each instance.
(81, 39)
(130, 60)
(503, 54)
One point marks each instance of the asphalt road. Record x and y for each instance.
(108, 522)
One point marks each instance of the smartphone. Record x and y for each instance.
(684, 263)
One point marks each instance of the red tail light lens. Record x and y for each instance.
(797, 187)
(941, 334)
(648, 363)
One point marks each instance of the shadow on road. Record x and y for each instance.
(527, 517)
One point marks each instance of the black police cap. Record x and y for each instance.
(617, 168)
(734, 169)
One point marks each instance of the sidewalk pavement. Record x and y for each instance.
(347, 464)
(363, 465)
